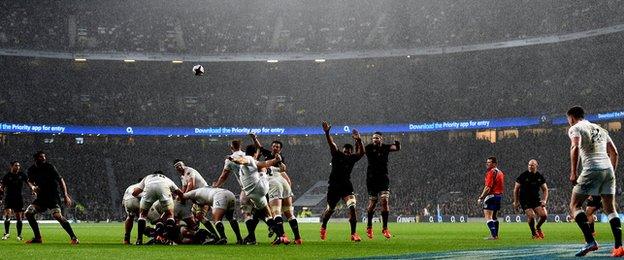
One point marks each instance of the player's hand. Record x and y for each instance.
(68, 201)
(214, 184)
(35, 190)
(573, 178)
(326, 127)
(278, 157)
(516, 205)
(355, 134)
(252, 135)
(543, 203)
(479, 201)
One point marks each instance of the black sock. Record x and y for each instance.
(172, 230)
(581, 221)
(369, 216)
(65, 224)
(251, 228)
(491, 227)
(326, 216)
(384, 219)
(271, 223)
(34, 226)
(591, 227)
(210, 227)
(532, 225)
(19, 227)
(221, 229)
(617, 231)
(236, 229)
(7, 225)
(279, 226)
(294, 225)
(352, 219)
(140, 229)
(496, 227)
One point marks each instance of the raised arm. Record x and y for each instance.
(396, 146)
(359, 146)
(254, 138)
(330, 141)
(269, 163)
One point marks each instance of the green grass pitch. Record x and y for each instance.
(103, 241)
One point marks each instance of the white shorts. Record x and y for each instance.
(132, 207)
(595, 182)
(257, 195)
(155, 193)
(224, 200)
(279, 188)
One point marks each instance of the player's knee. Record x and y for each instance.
(351, 202)
(31, 211)
(288, 212)
(385, 195)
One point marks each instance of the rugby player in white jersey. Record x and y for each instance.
(131, 206)
(191, 179)
(254, 185)
(157, 187)
(280, 191)
(222, 202)
(599, 157)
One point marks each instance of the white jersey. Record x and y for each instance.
(128, 193)
(275, 172)
(593, 146)
(234, 168)
(248, 175)
(157, 181)
(192, 174)
(203, 196)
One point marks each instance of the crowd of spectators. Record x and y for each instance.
(431, 170)
(213, 27)
(516, 82)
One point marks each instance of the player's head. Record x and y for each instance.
(235, 145)
(179, 165)
(377, 138)
(533, 165)
(40, 157)
(251, 150)
(15, 166)
(276, 146)
(575, 114)
(491, 162)
(347, 149)
(158, 172)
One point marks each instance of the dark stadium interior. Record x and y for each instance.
(444, 168)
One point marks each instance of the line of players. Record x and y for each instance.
(265, 195)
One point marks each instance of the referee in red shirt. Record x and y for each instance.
(491, 196)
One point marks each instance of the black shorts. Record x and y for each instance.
(374, 190)
(530, 204)
(15, 204)
(46, 204)
(335, 193)
(595, 202)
